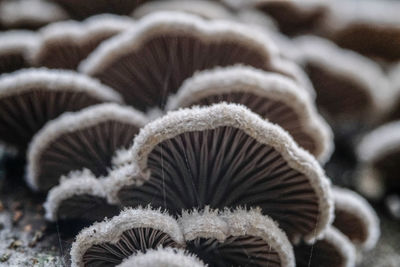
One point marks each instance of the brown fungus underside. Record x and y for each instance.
(90, 147)
(148, 75)
(234, 251)
(22, 115)
(12, 61)
(224, 167)
(131, 241)
(68, 53)
(341, 99)
(82, 9)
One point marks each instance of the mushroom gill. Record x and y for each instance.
(85, 139)
(30, 98)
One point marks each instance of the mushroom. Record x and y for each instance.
(162, 257)
(14, 46)
(334, 250)
(371, 28)
(293, 17)
(65, 44)
(379, 154)
(393, 112)
(206, 9)
(237, 237)
(85, 139)
(29, 14)
(226, 156)
(82, 9)
(355, 218)
(30, 98)
(345, 82)
(272, 96)
(78, 193)
(151, 61)
(109, 242)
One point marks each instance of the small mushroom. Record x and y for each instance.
(85, 139)
(236, 238)
(226, 156)
(151, 61)
(14, 46)
(108, 243)
(379, 155)
(65, 44)
(30, 98)
(163, 257)
(345, 82)
(272, 96)
(334, 250)
(82, 9)
(29, 14)
(206, 8)
(355, 218)
(80, 196)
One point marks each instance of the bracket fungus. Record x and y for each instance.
(151, 61)
(237, 237)
(334, 250)
(355, 218)
(29, 14)
(14, 47)
(272, 96)
(65, 44)
(85, 139)
(379, 155)
(226, 156)
(163, 257)
(351, 89)
(30, 98)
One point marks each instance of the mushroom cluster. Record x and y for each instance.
(197, 133)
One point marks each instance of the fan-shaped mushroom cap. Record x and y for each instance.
(334, 250)
(80, 195)
(393, 112)
(82, 9)
(163, 257)
(29, 14)
(379, 153)
(151, 61)
(13, 49)
(227, 156)
(65, 44)
(355, 218)
(274, 97)
(30, 98)
(350, 88)
(206, 9)
(86, 139)
(371, 28)
(108, 243)
(293, 16)
(236, 238)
